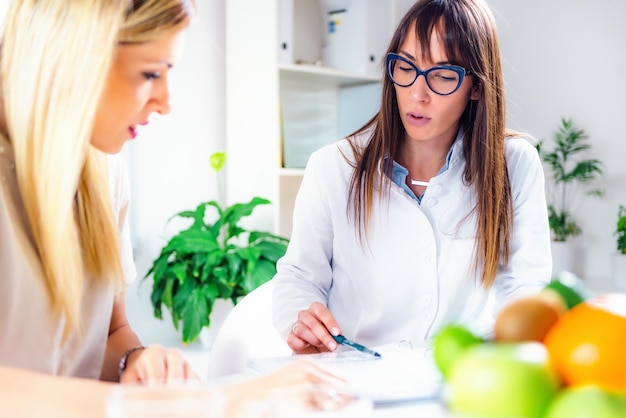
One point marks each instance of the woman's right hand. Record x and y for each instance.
(299, 372)
(313, 331)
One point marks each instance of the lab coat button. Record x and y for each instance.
(426, 242)
(427, 300)
(426, 257)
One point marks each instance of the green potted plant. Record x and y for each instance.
(618, 264)
(620, 231)
(211, 260)
(568, 172)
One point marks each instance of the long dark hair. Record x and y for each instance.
(469, 36)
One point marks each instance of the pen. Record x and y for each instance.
(344, 341)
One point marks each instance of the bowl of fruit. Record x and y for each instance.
(557, 354)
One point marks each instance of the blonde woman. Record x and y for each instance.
(77, 78)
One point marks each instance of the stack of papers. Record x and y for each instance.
(400, 375)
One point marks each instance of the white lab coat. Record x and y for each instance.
(415, 274)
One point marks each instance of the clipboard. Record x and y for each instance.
(400, 375)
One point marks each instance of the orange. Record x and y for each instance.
(588, 343)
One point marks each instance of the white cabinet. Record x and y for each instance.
(278, 112)
(319, 106)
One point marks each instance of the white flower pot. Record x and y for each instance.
(221, 309)
(618, 271)
(563, 257)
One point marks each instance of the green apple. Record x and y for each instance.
(449, 343)
(502, 380)
(587, 402)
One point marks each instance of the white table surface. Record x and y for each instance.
(427, 409)
(199, 358)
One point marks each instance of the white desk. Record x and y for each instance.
(429, 409)
(198, 357)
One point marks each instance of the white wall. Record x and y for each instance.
(565, 58)
(169, 161)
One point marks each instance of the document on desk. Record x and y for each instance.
(400, 375)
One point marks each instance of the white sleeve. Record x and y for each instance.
(304, 274)
(120, 200)
(530, 262)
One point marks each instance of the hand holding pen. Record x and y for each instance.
(316, 330)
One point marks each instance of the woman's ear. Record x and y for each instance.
(475, 94)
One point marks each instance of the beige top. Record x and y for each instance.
(30, 336)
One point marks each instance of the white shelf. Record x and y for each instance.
(291, 172)
(321, 76)
(305, 106)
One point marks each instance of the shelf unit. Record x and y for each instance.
(323, 76)
(319, 106)
(278, 113)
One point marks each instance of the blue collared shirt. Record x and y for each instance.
(399, 174)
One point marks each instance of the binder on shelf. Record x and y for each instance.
(299, 32)
(285, 31)
(357, 34)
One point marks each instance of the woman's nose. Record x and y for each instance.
(419, 89)
(161, 99)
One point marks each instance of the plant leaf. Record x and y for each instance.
(192, 241)
(263, 272)
(195, 314)
(270, 250)
(235, 212)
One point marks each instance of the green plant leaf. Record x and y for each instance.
(264, 272)
(197, 215)
(182, 295)
(235, 212)
(271, 250)
(180, 272)
(620, 231)
(166, 296)
(220, 278)
(192, 241)
(195, 314)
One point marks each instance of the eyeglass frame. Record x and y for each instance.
(462, 72)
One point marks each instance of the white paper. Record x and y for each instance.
(401, 374)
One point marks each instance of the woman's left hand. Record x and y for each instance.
(157, 364)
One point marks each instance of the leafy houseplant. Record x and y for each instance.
(621, 230)
(566, 173)
(618, 260)
(208, 261)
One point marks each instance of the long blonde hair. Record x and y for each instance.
(54, 62)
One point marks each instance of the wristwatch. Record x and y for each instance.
(124, 359)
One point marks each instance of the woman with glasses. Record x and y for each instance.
(432, 213)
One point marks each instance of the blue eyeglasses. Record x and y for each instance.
(441, 79)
